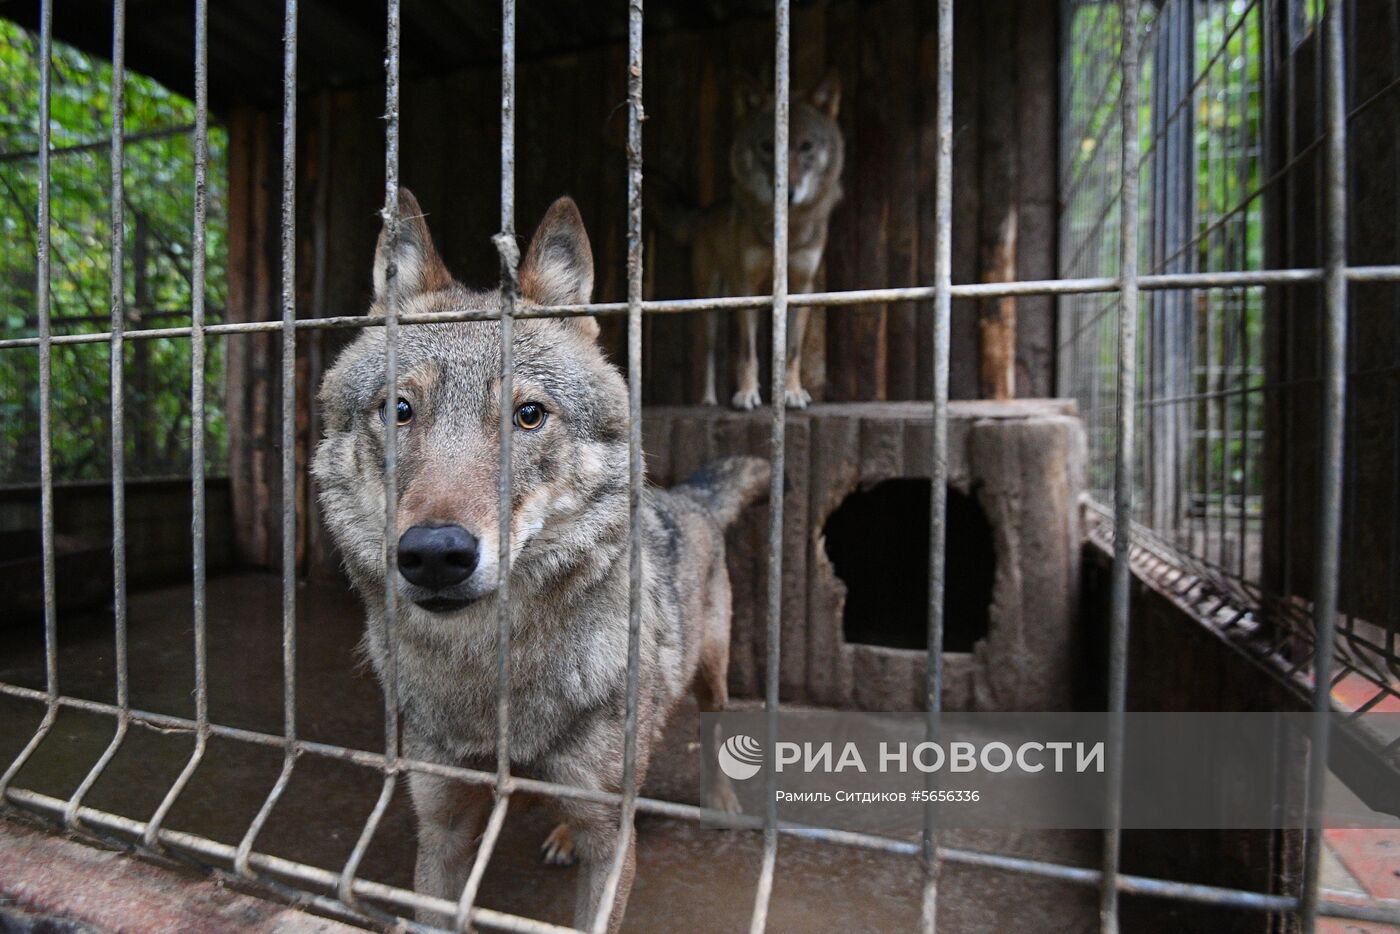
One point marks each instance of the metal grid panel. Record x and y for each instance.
(1211, 156)
(1114, 60)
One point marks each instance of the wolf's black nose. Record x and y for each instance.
(437, 556)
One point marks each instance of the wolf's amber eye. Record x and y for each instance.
(403, 412)
(529, 416)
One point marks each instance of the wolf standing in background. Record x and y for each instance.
(568, 546)
(732, 241)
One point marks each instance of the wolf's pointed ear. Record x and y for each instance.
(749, 94)
(558, 267)
(826, 96)
(416, 265)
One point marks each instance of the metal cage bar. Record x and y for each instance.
(289, 401)
(1131, 541)
(345, 885)
(624, 848)
(1333, 427)
(509, 256)
(1125, 456)
(117, 298)
(45, 345)
(197, 413)
(1087, 285)
(938, 465)
(776, 439)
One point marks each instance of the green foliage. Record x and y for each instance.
(1223, 123)
(157, 274)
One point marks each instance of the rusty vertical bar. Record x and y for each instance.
(1124, 456)
(151, 837)
(289, 371)
(1329, 496)
(289, 409)
(41, 290)
(116, 297)
(345, 887)
(635, 116)
(509, 254)
(777, 440)
(938, 465)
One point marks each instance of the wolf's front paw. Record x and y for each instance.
(558, 847)
(709, 398)
(796, 398)
(746, 400)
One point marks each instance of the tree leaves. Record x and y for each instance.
(158, 183)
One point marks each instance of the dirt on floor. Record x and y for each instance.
(688, 877)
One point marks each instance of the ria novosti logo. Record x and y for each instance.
(740, 757)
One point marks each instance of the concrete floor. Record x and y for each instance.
(688, 876)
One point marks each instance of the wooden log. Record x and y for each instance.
(757, 527)
(835, 460)
(796, 501)
(881, 449)
(732, 436)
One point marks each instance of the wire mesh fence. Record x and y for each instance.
(1231, 125)
(1164, 285)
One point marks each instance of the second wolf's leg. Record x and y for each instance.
(803, 278)
(794, 396)
(747, 396)
(451, 817)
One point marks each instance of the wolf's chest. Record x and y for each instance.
(448, 686)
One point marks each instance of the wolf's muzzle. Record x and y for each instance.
(437, 557)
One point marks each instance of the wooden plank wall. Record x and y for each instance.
(570, 123)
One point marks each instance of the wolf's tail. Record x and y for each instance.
(728, 486)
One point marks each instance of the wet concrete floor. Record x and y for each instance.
(689, 878)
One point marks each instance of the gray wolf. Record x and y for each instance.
(568, 545)
(732, 241)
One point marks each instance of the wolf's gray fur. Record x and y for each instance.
(568, 546)
(732, 241)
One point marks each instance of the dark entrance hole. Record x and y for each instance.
(877, 540)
